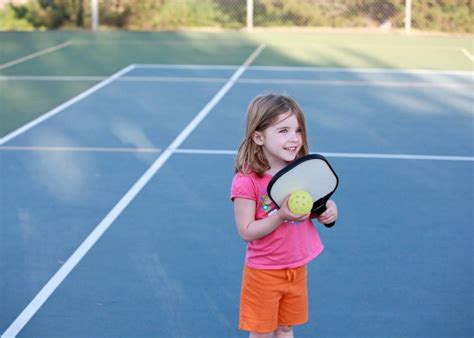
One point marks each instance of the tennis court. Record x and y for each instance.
(116, 167)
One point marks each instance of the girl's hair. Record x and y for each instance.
(264, 111)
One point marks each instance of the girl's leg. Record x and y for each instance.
(284, 331)
(261, 335)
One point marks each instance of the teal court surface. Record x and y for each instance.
(116, 219)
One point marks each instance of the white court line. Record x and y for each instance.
(358, 83)
(361, 70)
(126, 78)
(469, 55)
(36, 54)
(306, 69)
(95, 235)
(64, 105)
(228, 42)
(173, 79)
(50, 78)
(187, 66)
(344, 155)
(310, 69)
(205, 151)
(232, 152)
(81, 149)
(402, 156)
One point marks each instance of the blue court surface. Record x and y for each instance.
(116, 219)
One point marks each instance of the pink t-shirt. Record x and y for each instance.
(290, 245)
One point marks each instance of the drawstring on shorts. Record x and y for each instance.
(291, 274)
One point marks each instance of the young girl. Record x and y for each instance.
(280, 244)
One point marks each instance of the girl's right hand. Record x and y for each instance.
(286, 215)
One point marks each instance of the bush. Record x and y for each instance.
(51, 14)
(151, 14)
(114, 14)
(443, 15)
(437, 15)
(351, 13)
(10, 21)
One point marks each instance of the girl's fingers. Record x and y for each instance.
(327, 218)
(328, 213)
(308, 215)
(299, 218)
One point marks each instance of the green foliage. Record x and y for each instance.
(444, 15)
(10, 21)
(149, 14)
(51, 14)
(436, 15)
(351, 13)
(231, 13)
(273, 13)
(380, 11)
(182, 14)
(115, 13)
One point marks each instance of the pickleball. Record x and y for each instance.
(300, 202)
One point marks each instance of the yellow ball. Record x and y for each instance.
(300, 202)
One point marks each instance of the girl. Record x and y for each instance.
(280, 244)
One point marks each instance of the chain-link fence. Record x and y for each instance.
(433, 15)
(425, 15)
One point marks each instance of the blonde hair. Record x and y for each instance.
(262, 112)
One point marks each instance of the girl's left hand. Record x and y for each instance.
(330, 215)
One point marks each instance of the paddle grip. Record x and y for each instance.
(319, 211)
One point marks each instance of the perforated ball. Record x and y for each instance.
(300, 202)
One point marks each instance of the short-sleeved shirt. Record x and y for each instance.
(290, 245)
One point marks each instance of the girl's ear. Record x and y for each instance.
(257, 137)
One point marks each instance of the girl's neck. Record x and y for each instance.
(273, 170)
(275, 165)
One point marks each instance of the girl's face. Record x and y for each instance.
(281, 142)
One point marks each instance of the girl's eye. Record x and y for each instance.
(283, 130)
(298, 130)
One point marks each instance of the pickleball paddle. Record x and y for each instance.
(311, 173)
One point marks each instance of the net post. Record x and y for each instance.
(249, 15)
(407, 16)
(95, 15)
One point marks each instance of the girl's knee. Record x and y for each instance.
(284, 328)
(284, 331)
(261, 335)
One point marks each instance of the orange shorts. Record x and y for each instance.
(270, 298)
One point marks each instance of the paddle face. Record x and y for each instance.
(311, 173)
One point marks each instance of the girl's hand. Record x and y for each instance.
(286, 215)
(330, 215)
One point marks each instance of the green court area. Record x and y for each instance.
(39, 70)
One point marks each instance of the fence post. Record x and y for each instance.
(249, 15)
(407, 16)
(95, 15)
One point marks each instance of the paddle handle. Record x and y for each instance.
(322, 209)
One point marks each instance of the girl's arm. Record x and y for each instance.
(251, 229)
